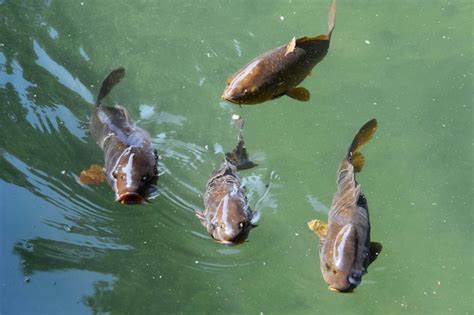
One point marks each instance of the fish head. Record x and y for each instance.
(135, 175)
(247, 86)
(339, 260)
(234, 223)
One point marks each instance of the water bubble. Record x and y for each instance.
(67, 228)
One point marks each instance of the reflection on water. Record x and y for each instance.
(62, 75)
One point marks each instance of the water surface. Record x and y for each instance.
(67, 248)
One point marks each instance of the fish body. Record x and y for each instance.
(227, 215)
(345, 248)
(130, 159)
(278, 72)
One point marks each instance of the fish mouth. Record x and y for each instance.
(130, 198)
(229, 99)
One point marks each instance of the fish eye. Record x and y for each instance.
(114, 174)
(241, 224)
(144, 178)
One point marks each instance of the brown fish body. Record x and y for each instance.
(278, 72)
(130, 159)
(345, 249)
(227, 216)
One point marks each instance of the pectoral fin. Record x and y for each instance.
(319, 228)
(200, 216)
(93, 175)
(299, 93)
(375, 249)
(291, 46)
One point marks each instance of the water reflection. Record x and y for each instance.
(62, 75)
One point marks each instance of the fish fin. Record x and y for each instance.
(239, 156)
(331, 18)
(291, 46)
(200, 216)
(93, 175)
(112, 79)
(375, 249)
(319, 228)
(362, 137)
(299, 93)
(357, 161)
(305, 39)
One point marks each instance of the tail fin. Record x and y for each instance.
(362, 137)
(239, 156)
(331, 18)
(109, 82)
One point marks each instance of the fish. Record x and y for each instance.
(279, 71)
(228, 217)
(130, 159)
(345, 249)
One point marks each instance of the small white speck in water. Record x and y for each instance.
(282, 17)
(367, 42)
(196, 262)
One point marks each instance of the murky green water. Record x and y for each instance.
(69, 249)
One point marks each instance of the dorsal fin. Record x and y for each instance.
(305, 39)
(331, 18)
(112, 79)
(331, 25)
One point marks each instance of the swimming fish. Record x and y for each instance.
(345, 249)
(279, 72)
(227, 215)
(130, 159)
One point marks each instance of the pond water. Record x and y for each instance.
(68, 248)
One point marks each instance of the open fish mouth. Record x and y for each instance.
(130, 198)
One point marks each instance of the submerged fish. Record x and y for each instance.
(345, 249)
(227, 215)
(130, 160)
(279, 71)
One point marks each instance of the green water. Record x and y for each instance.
(69, 249)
